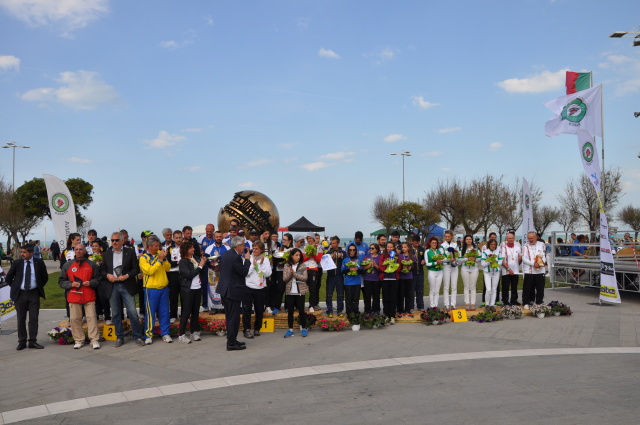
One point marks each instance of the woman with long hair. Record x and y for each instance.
(469, 269)
(256, 290)
(405, 295)
(190, 291)
(434, 262)
(371, 279)
(491, 259)
(351, 271)
(295, 279)
(389, 275)
(275, 302)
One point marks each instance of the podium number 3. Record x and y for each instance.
(459, 315)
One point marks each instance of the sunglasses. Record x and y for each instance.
(115, 240)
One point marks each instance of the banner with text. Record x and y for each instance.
(527, 212)
(7, 307)
(63, 211)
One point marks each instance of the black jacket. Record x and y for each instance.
(187, 272)
(130, 267)
(15, 276)
(233, 270)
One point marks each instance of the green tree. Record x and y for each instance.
(381, 209)
(409, 216)
(32, 195)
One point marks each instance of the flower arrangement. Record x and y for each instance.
(536, 309)
(432, 315)
(452, 256)
(366, 262)
(438, 257)
(350, 264)
(96, 258)
(217, 325)
(286, 256)
(338, 324)
(373, 320)
(487, 316)
(355, 318)
(310, 250)
(471, 256)
(392, 265)
(513, 311)
(406, 265)
(493, 261)
(558, 307)
(61, 335)
(174, 329)
(311, 319)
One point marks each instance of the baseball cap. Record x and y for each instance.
(146, 233)
(298, 238)
(253, 232)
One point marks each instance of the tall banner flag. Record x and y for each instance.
(589, 154)
(527, 211)
(7, 307)
(577, 81)
(63, 211)
(575, 112)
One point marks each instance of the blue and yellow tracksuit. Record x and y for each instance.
(155, 281)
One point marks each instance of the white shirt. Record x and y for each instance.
(257, 279)
(446, 245)
(511, 256)
(529, 253)
(117, 260)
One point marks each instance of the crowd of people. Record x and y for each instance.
(258, 274)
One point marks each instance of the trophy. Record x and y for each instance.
(117, 271)
(539, 260)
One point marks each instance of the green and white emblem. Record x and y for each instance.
(60, 202)
(574, 111)
(587, 152)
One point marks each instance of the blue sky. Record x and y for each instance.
(170, 107)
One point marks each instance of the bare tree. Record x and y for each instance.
(381, 209)
(509, 211)
(543, 216)
(630, 216)
(580, 196)
(84, 228)
(448, 200)
(567, 219)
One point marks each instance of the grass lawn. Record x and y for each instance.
(55, 294)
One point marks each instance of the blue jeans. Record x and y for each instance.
(335, 282)
(418, 290)
(118, 297)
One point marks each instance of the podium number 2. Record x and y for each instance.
(110, 331)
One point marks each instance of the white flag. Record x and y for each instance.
(608, 284)
(589, 155)
(575, 112)
(63, 210)
(527, 211)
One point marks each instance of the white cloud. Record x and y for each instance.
(164, 140)
(287, 145)
(302, 23)
(313, 166)
(449, 130)
(289, 160)
(423, 104)
(208, 19)
(432, 153)
(171, 44)
(445, 169)
(258, 162)
(626, 70)
(330, 54)
(394, 138)
(192, 130)
(246, 185)
(495, 146)
(79, 160)
(8, 62)
(78, 90)
(70, 14)
(539, 83)
(337, 155)
(192, 169)
(387, 54)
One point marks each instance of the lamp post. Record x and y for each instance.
(403, 154)
(13, 146)
(628, 34)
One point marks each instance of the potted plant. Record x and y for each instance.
(539, 310)
(337, 324)
(559, 309)
(372, 320)
(354, 320)
(61, 335)
(487, 316)
(511, 312)
(434, 316)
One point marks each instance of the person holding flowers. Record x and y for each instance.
(450, 270)
(434, 259)
(255, 292)
(311, 257)
(491, 259)
(405, 294)
(279, 260)
(335, 278)
(352, 280)
(389, 275)
(295, 279)
(469, 269)
(371, 275)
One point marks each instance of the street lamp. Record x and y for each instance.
(628, 34)
(403, 153)
(13, 146)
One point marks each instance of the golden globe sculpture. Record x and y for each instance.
(253, 209)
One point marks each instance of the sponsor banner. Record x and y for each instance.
(63, 211)
(527, 211)
(7, 307)
(575, 112)
(608, 285)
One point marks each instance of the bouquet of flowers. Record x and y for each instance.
(310, 250)
(96, 258)
(452, 256)
(392, 265)
(338, 324)
(493, 261)
(373, 320)
(432, 315)
(286, 255)
(471, 257)
(366, 262)
(406, 265)
(539, 309)
(512, 311)
(352, 264)
(61, 335)
(438, 257)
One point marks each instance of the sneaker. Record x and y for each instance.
(78, 345)
(172, 321)
(196, 336)
(148, 341)
(304, 332)
(526, 307)
(330, 315)
(139, 342)
(184, 339)
(340, 314)
(108, 322)
(119, 342)
(393, 321)
(248, 334)
(256, 333)
(268, 310)
(167, 338)
(499, 303)
(202, 309)
(101, 317)
(483, 304)
(288, 334)
(96, 345)
(311, 310)
(275, 311)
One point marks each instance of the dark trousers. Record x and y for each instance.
(28, 302)
(174, 293)
(403, 300)
(204, 278)
(141, 297)
(533, 288)
(418, 288)
(253, 299)
(352, 298)
(190, 301)
(232, 318)
(278, 291)
(510, 284)
(335, 282)
(389, 294)
(297, 301)
(102, 302)
(313, 281)
(371, 295)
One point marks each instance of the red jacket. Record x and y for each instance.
(86, 271)
(384, 257)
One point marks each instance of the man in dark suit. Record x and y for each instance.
(119, 270)
(233, 270)
(27, 278)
